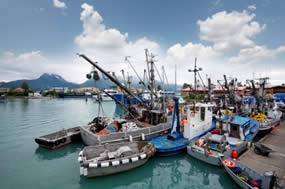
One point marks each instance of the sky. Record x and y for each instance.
(242, 39)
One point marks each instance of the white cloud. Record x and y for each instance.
(255, 54)
(251, 7)
(95, 37)
(108, 45)
(59, 4)
(230, 30)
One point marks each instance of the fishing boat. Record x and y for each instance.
(103, 97)
(247, 178)
(238, 132)
(103, 130)
(174, 142)
(268, 121)
(198, 122)
(109, 159)
(59, 139)
(3, 98)
(124, 99)
(208, 148)
(141, 123)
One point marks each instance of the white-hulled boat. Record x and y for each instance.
(240, 131)
(120, 130)
(109, 159)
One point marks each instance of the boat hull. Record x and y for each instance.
(59, 139)
(104, 171)
(146, 133)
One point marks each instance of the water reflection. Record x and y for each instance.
(46, 154)
(165, 172)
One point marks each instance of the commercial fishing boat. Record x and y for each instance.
(142, 123)
(199, 121)
(174, 142)
(239, 131)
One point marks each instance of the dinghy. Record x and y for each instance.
(109, 159)
(247, 178)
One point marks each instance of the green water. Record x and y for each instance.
(24, 165)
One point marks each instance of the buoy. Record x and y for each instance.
(273, 127)
(143, 136)
(81, 170)
(143, 156)
(105, 164)
(115, 163)
(210, 152)
(234, 154)
(125, 161)
(134, 159)
(85, 172)
(93, 165)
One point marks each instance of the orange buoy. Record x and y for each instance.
(234, 154)
(183, 122)
(171, 107)
(210, 152)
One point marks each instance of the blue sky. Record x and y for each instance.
(227, 37)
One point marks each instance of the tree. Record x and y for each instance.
(25, 86)
(185, 85)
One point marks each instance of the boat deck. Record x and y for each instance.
(275, 161)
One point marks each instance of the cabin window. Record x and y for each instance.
(197, 109)
(203, 112)
(245, 128)
(209, 109)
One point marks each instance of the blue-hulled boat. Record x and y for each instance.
(174, 142)
(3, 98)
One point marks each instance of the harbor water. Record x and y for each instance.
(25, 165)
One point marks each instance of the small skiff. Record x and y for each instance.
(102, 160)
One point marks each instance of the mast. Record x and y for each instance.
(175, 80)
(196, 70)
(150, 67)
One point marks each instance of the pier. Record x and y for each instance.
(276, 159)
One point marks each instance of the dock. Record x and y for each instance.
(276, 159)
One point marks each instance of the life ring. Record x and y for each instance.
(229, 163)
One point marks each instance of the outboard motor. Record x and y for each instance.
(268, 180)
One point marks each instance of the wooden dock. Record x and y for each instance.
(275, 161)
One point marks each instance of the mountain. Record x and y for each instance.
(98, 84)
(45, 81)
